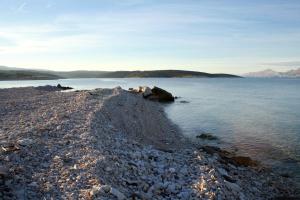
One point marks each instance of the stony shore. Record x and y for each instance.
(111, 144)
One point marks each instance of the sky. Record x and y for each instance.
(217, 36)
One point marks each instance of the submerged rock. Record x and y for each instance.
(206, 136)
(243, 161)
(183, 101)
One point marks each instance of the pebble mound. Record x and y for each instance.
(110, 144)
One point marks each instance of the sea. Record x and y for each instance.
(256, 117)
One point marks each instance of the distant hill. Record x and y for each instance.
(7, 74)
(10, 68)
(269, 73)
(141, 74)
(26, 75)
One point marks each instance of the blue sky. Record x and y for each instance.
(227, 36)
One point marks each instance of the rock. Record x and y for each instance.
(95, 190)
(229, 179)
(232, 186)
(211, 149)
(33, 184)
(243, 161)
(25, 142)
(172, 188)
(147, 92)
(105, 188)
(3, 171)
(183, 101)
(222, 171)
(172, 170)
(63, 87)
(161, 95)
(185, 195)
(118, 194)
(206, 136)
(108, 169)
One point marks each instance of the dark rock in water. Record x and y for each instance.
(228, 157)
(211, 149)
(243, 161)
(63, 87)
(206, 136)
(184, 101)
(161, 95)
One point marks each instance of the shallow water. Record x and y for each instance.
(257, 117)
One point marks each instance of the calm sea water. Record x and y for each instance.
(255, 117)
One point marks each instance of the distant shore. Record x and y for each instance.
(50, 75)
(110, 143)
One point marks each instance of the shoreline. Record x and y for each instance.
(110, 143)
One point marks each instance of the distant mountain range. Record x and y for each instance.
(269, 73)
(7, 73)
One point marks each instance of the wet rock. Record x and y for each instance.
(59, 86)
(161, 95)
(243, 161)
(183, 101)
(206, 136)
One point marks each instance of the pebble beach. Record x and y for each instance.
(113, 144)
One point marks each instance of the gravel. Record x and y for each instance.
(111, 144)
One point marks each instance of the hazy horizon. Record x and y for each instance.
(108, 35)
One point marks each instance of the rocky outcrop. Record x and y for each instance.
(161, 95)
(154, 94)
(63, 87)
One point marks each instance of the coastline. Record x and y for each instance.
(110, 143)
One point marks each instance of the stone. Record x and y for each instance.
(25, 142)
(3, 171)
(161, 95)
(33, 184)
(146, 91)
(183, 101)
(95, 190)
(232, 186)
(172, 170)
(108, 169)
(105, 188)
(171, 188)
(184, 195)
(118, 194)
(222, 171)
